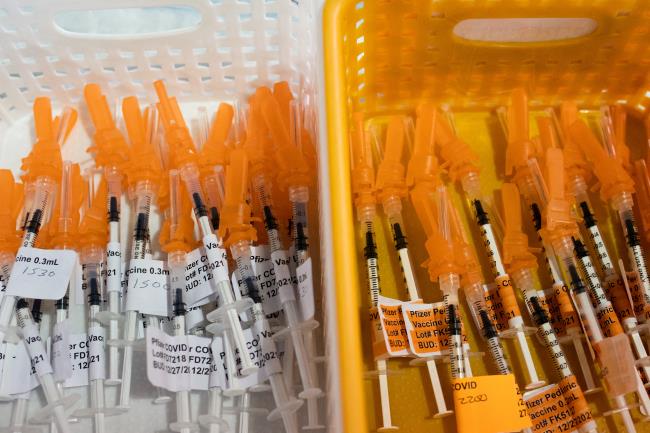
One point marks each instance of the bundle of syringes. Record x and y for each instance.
(549, 279)
(220, 296)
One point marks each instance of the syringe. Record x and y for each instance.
(363, 182)
(143, 174)
(41, 363)
(578, 404)
(616, 187)
(93, 233)
(238, 234)
(445, 264)
(65, 235)
(183, 423)
(110, 151)
(577, 175)
(213, 157)
(184, 159)
(423, 172)
(43, 170)
(519, 152)
(19, 423)
(176, 239)
(262, 187)
(559, 226)
(294, 177)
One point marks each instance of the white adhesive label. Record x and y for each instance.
(96, 353)
(198, 276)
(265, 274)
(18, 376)
(61, 361)
(39, 360)
(41, 274)
(178, 363)
(283, 281)
(269, 358)
(79, 358)
(113, 267)
(217, 258)
(306, 290)
(148, 287)
(217, 371)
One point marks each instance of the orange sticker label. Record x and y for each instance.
(608, 321)
(425, 326)
(393, 326)
(427, 329)
(641, 309)
(558, 408)
(502, 302)
(489, 404)
(377, 335)
(555, 317)
(615, 291)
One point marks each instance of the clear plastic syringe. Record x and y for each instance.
(616, 188)
(19, 422)
(463, 167)
(445, 263)
(183, 423)
(213, 156)
(93, 235)
(65, 235)
(262, 188)
(177, 239)
(294, 177)
(110, 152)
(423, 172)
(43, 170)
(559, 227)
(363, 182)
(238, 234)
(143, 172)
(578, 173)
(41, 363)
(545, 331)
(184, 158)
(519, 152)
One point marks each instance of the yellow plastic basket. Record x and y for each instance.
(386, 56)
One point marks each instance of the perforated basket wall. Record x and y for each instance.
(236, 45)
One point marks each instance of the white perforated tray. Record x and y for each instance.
(221, 52)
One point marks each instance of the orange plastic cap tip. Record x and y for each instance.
(423, 165)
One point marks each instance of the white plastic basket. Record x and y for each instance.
(207, 52)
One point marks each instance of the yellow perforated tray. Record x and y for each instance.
(385, 57)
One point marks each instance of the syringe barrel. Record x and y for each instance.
(366, 214)
(524, 281)
(262, 189)
(190, 176)
(449, 284)
(554, 349)
(392, 206)
(45, 189)
(241, 253)
(144, 193)
(7, 261)
(578, 188)
(471, 184)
